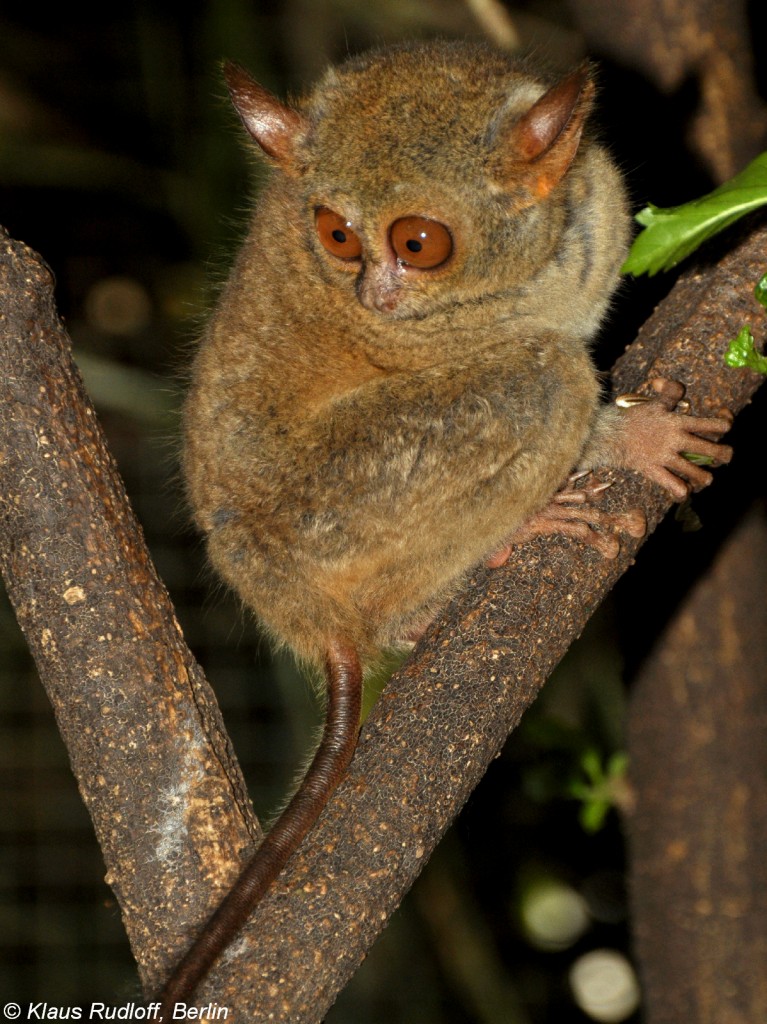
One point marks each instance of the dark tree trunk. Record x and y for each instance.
(698, 832)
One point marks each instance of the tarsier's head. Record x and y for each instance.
(430, 177)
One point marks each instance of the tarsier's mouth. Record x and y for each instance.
(403, 310)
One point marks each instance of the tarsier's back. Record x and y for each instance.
(396, 375)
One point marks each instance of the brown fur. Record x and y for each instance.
(349, 466)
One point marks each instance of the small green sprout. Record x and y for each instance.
(760, 292)
(742, 353)
(601, 787)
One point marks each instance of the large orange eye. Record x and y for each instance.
(421, 242)
(335, 233)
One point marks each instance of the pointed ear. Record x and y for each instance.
(534, 152)
(274, 126)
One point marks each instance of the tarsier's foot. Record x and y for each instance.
(572, 514)
(658, 441)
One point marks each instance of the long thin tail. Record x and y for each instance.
(339, 738)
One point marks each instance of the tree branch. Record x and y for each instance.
(674, 42)
(142, 728)
(143, 731)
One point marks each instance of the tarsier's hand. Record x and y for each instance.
(657, 440)
(656, 436)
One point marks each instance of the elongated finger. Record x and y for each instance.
(669, 392)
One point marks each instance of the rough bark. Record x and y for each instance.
(698, 830)
(439, 723)
(142, 728)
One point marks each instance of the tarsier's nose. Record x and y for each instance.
(379, 289)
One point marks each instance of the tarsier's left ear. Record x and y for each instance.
(533, 152)
(276, 127)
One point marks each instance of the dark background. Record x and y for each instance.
(123, 165)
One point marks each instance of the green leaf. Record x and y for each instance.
(592, 815)
(761, 291)
(741, 352)
(687, 517)
(618, 765)
(698, 460)
(672, 233)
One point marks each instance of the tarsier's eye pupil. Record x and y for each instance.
(339, 235)
(413, 245)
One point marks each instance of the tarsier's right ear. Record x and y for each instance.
(274, 126)
(532, 153)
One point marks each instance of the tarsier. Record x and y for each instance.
(396, 384)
